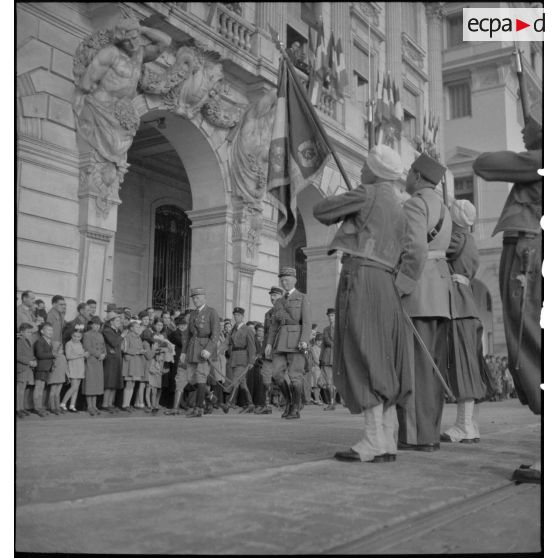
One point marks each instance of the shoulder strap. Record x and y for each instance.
(433, 233)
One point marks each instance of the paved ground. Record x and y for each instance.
(243, 484)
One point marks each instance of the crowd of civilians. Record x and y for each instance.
(94, 364)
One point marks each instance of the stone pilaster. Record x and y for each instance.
(208, 268)
(246, 229)
(322, 277)
(393, 40)
(434, 16)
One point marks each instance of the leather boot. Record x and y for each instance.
(286, 391)
(296, 403)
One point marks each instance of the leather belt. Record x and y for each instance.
(458, 278)
(436, 255)
(239, 348)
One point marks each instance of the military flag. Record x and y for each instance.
(298, 151)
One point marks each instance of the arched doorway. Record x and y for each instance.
(153, 236)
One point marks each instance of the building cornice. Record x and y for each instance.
(48, 155)
(210, 217)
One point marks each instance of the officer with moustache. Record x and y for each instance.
(200, 346)
(290, 334)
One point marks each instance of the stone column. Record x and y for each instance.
(322, 278)
(98, 210)
(434, 17)
(246, 228)
(393, 40)
(208, 267)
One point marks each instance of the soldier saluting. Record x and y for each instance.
(290, 334)
(200, 346)
(520, 264)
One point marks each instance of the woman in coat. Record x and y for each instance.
(112, 365)
(93, 384)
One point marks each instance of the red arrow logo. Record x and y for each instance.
(519, 24)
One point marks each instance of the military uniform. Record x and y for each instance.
(202, 334)
(520, 223)
(370, 360)
(242, 351)
(326, 361)
(291, 325)
(424, 282)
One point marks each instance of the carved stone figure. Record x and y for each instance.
(107, 68)
(250, 149)
(195, 77)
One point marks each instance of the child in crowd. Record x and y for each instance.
(156, 371)
(133, 366)
(25, 364)
(45, 359)
(60, 374)
(76, 355)
(93, 384)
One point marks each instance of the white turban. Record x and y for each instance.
(384, 162)
(463, 213)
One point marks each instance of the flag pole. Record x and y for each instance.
(281, 47)
(370, 107)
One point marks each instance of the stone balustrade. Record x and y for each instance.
(234, 28)
(328, 104)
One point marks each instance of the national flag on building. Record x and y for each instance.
(297, 153)
(385, 100)
(398, 111)
(343, 79)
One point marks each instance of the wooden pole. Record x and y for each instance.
(304, 96)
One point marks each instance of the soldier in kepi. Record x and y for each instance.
(290, 334)
(520, 264)
(242, 354)
(423, 281)
(266, 369)
(200, 346)
(370, 357)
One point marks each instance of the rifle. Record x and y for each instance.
(523, 95)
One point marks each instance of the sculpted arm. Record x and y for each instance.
(98, 67)
(159, 43)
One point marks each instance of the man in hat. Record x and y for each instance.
(520, 263)
(326, 358)
(242, 354)
(290, 334)
(370, 360)
(424, 283)
(200, 346)
(275, 293)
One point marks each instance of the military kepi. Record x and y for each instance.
(276, 290)
(239, 310)
(429, 168)
(197, 291)
(330, 311)
(287, 271)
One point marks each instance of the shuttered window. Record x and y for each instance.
(455, 30)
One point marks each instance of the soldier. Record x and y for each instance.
(520, 264)
(290, 334)
(370, 361)
(200, 345)
(242, 351)
(326, 358)
(275, 293)
(466, 363)
(423, 280)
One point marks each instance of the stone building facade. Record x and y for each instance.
(187, 213)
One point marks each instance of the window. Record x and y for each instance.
(459, 99)
(455, 30)
(410, 20)
(297, 48)
(464, 187)
(361, 92)
(409, 125)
